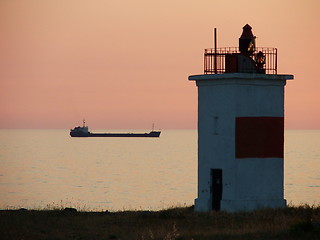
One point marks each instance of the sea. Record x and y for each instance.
(48, 169)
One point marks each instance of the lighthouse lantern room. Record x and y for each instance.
(240, 128)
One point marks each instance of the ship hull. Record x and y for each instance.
(150, 134)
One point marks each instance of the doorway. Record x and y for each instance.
(216, 188)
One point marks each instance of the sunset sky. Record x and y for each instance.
(124, 64)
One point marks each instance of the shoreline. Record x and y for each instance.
(302, 222)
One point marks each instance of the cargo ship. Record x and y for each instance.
(84, 132)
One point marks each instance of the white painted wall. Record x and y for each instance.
(247, 183)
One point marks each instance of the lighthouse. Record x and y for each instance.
(240, 128)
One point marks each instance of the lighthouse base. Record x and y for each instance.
(204, 205)
(250, 205)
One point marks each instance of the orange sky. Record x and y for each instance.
(125, 64)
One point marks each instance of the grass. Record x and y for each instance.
(176, 223)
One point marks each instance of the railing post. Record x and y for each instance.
(215, 50)
(276, 62)
(204, 62)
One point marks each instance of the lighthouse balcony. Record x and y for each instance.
(234, 60)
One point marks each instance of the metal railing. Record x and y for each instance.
(229, 59)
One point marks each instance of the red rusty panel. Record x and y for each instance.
(259, 137)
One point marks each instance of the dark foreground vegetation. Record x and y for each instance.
(176, 223)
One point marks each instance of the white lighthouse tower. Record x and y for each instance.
(240, 128)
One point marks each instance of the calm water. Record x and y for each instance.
(47, 167)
